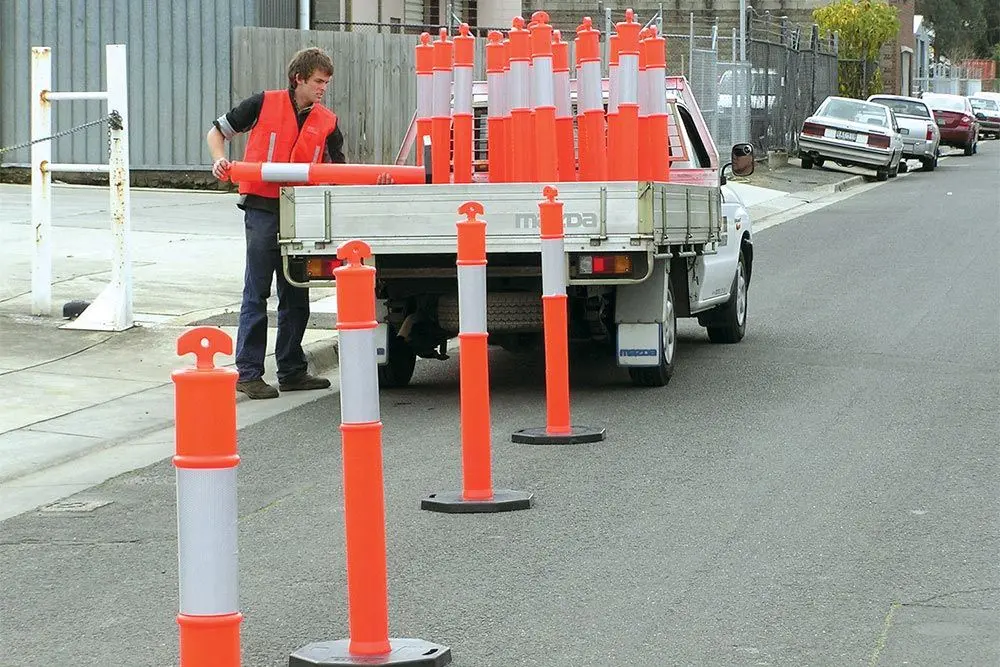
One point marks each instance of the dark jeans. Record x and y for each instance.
(262, 262)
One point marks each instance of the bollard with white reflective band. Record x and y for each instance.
(205, 462)
(558, 429)
(659, 118)
(590, 104)
(565, 139)
(441, 134)
(465, 60)
(543, 99)
(424, 59)
(364, 504)
(477, 494)
(496, 87)
(625, 149)
(521, 135)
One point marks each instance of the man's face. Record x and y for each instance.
(312, 89)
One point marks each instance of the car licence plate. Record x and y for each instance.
(904, 130)
(941, 121)
(844, 135)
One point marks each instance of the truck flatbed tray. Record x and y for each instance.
(402, 219)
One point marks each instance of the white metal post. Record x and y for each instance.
(112, 310)
(41, 181)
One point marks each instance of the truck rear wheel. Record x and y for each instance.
(398, 368)
(730, 324)
(659, 376)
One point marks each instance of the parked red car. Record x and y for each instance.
(956, 120)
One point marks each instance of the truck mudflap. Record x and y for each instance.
(639, 343)
(642, 310)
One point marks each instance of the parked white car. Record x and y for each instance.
(917, 128)
(852, 132)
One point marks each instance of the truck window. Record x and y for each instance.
(696, 147)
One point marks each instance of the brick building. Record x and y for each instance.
(897, 57)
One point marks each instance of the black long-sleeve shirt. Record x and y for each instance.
(244, 116)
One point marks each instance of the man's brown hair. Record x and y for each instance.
(308, 61)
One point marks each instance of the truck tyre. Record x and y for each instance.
(659, 376)
(398, 368)
(730, 324)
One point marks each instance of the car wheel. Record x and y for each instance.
(807, 162)
(659, 376)
(928, 164)
(398, 368)
(730, 323)
(819, 162)
(969, 149)
(882, 174)
(903, 167)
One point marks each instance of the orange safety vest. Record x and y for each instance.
(276, 138)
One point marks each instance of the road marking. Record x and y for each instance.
(884, 635)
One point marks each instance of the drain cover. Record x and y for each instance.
(63, 506)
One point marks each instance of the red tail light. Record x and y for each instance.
(930, 132)
(878, 140)
(965, 120)
(813, 129)
(322, 267)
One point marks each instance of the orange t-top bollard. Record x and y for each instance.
(496, 100)
(612, 102)
(205, 463)
(558, 429)
(441, 116)
(324, 173)
(643, 160)
(626, 154)
(543, 99)
(565, 145)
(425, 91)
(477, 493)
(659, 117)
(364, 506)
(590, 104)
(519, 86)
(465, 59)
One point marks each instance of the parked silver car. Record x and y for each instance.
(917, 128)
(852, 132)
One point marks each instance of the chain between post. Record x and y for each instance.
(115, 123)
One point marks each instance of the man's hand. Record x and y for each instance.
(384, 179)
(220, 169)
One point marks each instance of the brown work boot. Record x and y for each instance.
(303, 382)
(257, 389)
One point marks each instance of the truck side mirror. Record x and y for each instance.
(742, 158)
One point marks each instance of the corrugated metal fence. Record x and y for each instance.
(178, 64)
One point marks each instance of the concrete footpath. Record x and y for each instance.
(82, 407)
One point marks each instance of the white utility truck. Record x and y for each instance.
(638, 254)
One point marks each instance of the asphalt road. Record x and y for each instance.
(823, 493)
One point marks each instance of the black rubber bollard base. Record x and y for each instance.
(410, 652)
(577, 435)
(451, 502)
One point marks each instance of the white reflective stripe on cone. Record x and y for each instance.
(657, 91)
(442, 94)
(463, 90)
(553, 267)
(284, 171)
(472, 299)
(643, 92)
(518, 85)
(628, 79)
(494, 101)
(561, 84)
(358, 377)
(591, 73)
(613, 89)
(206, 541)
(543, 91)
(425, 95)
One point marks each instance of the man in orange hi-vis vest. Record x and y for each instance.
(288, 125)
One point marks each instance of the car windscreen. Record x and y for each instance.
(945, 103)
(855, 111)
(904, 107)
(985, 104)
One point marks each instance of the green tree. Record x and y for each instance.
(962, 27)
(864, 26)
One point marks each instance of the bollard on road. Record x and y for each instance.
(558, 429)
(477, 494)
(364, 503)
(205, 462)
